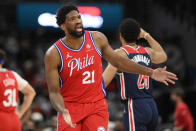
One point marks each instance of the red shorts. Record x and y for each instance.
(88, 116)
(9, 122)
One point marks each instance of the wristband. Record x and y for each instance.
(146, 35)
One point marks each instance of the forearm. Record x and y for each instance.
(57, 101)
(156, 52)
(26, 103)
(154, 44)
(109, 74)
(178, 129)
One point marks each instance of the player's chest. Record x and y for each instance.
(74, 63)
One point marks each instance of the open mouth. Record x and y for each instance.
(79, 28)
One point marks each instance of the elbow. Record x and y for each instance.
(31, 92)
(164, 57)
(161, 59)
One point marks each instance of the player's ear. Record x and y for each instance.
(138, 37)
(121, 38)
(120, 35)
(62, 26)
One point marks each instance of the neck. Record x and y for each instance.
(133, 44)
(179, 101)
(73, 42)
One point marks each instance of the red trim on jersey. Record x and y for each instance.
(131, 116)
(122, 84)
(131, 50)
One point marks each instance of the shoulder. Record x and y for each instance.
(98, 35)
(22, 83)
(51, 53)
(181, 107)
(121, 52)
(16, 75)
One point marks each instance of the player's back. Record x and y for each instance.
(135, 85)
(8, 91)
(81, 71)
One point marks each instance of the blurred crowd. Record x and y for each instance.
(25, 54)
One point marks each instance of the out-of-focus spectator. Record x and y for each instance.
(183, 117)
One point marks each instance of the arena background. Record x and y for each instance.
(25, 36)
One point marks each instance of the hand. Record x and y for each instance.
(161, 75)
(67, 118)
(18, 113)
(142, 33)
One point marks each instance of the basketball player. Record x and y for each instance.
(10, 84)
(140, 113)
(74, 74)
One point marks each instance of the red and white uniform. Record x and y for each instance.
(81, 82)
(183, 117)
(10, 83)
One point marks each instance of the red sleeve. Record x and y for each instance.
(180, 117)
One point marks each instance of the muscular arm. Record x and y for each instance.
(126, 65)
(156, 52)
(122, 63)
(52, 61)
(110, 70)
(29, 94)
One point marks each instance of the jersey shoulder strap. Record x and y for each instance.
(142, 50)
(130, 50)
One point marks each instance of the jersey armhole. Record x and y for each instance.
(124, 51)
(146, 51)
(61, 57)
(97, 50)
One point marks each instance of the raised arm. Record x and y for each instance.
(52, 62)
(126, 65)
(156, 52)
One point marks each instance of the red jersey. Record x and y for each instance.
(8, 91)
(81, 71)
(183, 117)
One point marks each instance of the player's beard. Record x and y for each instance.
(75, 33)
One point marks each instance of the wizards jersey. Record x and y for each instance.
(81, 71)
(8, 91)
(135, 85)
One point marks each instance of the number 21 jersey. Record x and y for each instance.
(81, 71)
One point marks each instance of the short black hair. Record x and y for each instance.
(178, 91)
(130, 30)
(63, 11)
(2, 56)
